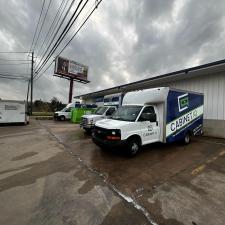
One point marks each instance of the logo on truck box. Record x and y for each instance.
(183, 121)
(183, 102)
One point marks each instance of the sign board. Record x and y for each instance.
(70, 69)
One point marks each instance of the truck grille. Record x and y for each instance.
(101, 132)
(83, 121)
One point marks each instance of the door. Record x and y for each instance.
(68, 113)
(149, 126)
(110, 111)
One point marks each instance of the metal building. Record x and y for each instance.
(208, 79)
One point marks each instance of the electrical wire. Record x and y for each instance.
(55, 34)
(92, 11)
(63, 34)
(13, 52)
(21, 60)
(37, 25)
(42, 24)
(52, 25)
(13, 64)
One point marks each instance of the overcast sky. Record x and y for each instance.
(124, 41)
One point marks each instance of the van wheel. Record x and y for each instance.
(62, 118)
(133, 146)
(186, 140)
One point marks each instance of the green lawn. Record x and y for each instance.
(42, 114)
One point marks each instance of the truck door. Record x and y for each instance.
(110, 111)
(150, 130)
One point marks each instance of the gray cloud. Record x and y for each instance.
(123, 42)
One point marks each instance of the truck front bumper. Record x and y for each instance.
(87, 126)
(108, 143)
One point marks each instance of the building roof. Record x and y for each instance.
(205, 69)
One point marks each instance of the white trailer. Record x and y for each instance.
(12, 111)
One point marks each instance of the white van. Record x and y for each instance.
(65, 114)
(103, 112)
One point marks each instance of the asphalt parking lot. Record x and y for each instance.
(52, 173)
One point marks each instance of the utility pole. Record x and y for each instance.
(31, 82)
(71, 90)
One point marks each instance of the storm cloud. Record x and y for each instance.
(124, 41)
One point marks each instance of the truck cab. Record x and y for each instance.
(103, 112)
(132, 125)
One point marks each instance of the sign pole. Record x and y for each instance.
(71, 90)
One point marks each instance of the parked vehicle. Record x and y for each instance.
(152, 115)
(113, 99)
(12, 111)
(65, 114)
(103, 112)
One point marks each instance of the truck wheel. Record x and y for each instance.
(186, 140)
(62, 118)
(133, 146)
(87, 130)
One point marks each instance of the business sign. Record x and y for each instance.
(183, 102)
(184, 120)
(70, 69)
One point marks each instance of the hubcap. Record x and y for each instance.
(187, 138)
(134, 148)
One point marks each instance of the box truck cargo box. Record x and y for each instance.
(152, 115)
(13, 112)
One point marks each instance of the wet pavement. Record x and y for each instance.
(52, 173)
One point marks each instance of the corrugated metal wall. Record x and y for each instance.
(213, 87)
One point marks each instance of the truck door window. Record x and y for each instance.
(68, 109)
(149, 110)
(110, 111)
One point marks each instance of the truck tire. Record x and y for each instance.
(133, 145)
(88, 130)
(186, 140)
(62, 118)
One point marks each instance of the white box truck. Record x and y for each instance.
(12, 111)
(152, 115)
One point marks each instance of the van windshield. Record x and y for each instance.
(127, 113)
(100, 110)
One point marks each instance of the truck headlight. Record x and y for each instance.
(115, 132)
(91, 121)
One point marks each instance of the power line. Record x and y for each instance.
(51, 29)
(13, 64)
(14, 74)
(55, 34)
(21, 60)
(13, 52)
(42, 24)
(92, 11)
(37, 24)
(80, 27)
(63, 34)
(13, 77)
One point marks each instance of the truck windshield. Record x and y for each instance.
(100, 110)
(127, 113)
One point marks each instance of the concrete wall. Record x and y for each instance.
(214, 128)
